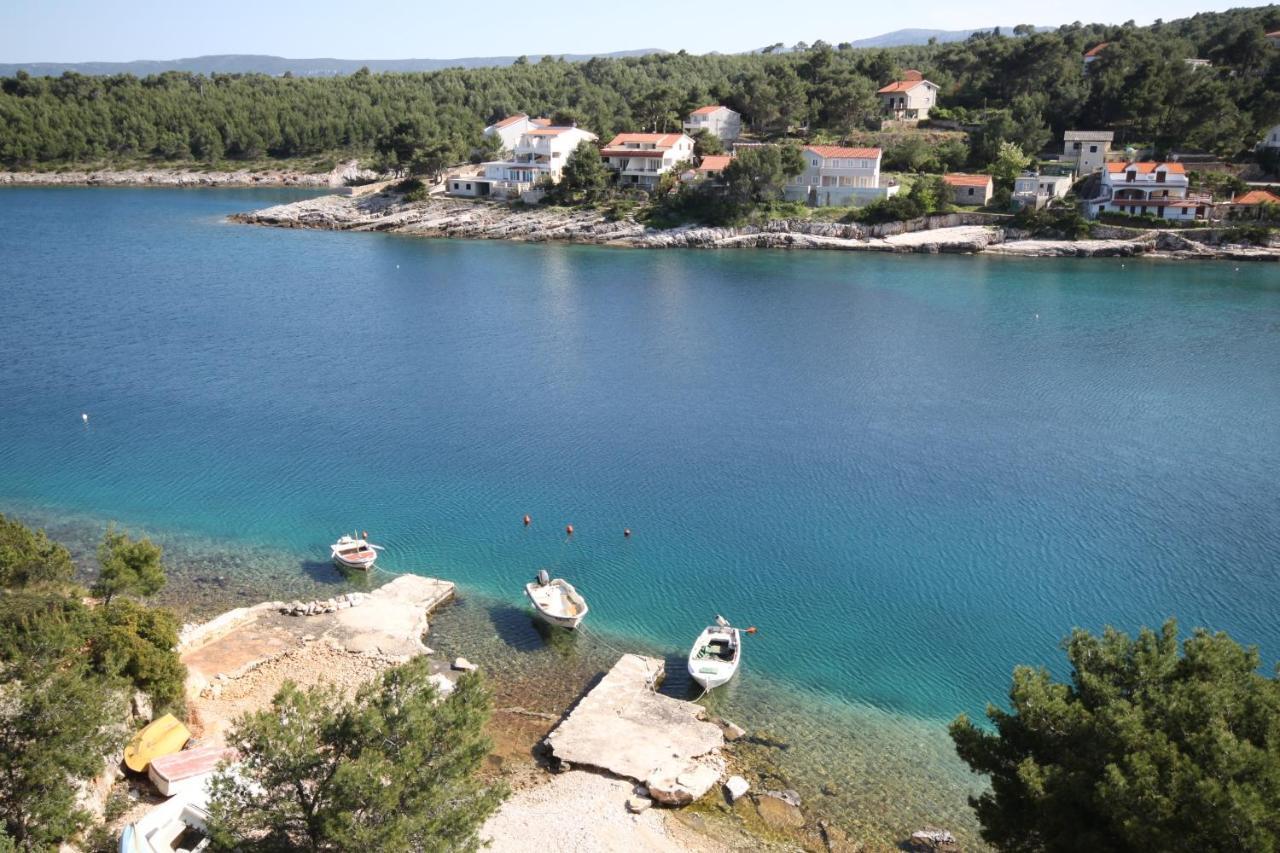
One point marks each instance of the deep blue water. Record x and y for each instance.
(911, 473)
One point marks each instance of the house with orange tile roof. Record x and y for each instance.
(969, 189)
(909, 98)
(715, 119)
(1148, 189)
(1274, 38)
(511, 128)
(713, 165)
(837, 176)
(640, 159)
(539, 156)
(1255, 204)
(1091, 55)
(1272, 138)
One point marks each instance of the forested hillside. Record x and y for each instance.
(1024, 87)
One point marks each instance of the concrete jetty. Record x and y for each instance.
(626, 728)
(237, 661)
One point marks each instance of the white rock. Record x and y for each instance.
(638, 804)
(464, 665)
(736, 786)
(684, 787)
(443, 685)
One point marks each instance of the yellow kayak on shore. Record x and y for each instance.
(163, 736)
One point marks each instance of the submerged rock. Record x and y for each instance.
(736, 788)
(778, 813)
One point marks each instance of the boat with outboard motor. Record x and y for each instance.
(556, 600)
(715, 655)
(350, 552)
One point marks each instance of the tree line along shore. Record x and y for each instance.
(1003, 99)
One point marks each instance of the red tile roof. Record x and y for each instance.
(911, 74)
(1097, 48)
(1144, 168)
(901, 86)
(548, 131)
(828, 151)
(714, 162)
(1257, 197)
(657, 140)
(706, 111)
(510, 120)
(1275, 35)
(959, 179)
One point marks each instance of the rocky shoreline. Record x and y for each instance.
(335, 178)
(953, 233)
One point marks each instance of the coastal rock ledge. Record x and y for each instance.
(953, 233)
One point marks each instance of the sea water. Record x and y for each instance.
(910, 473)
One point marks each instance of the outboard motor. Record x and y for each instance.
(543, 577)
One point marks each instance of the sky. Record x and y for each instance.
(124, 30)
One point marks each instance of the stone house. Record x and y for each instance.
(969, 189)
(1086, 150)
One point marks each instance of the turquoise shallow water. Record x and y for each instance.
(911, 473)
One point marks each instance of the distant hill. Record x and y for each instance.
(276, 65)
(901, 38)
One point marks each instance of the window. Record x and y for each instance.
(1093, 149)
(1160, 178)
(1131, 176)
(814, 162)
(1076, 147)
(468, 186)
(970, 190)
(1184, 211)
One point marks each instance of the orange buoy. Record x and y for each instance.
(568, 528)
(626, 531)
(751, 630)
(527, 521)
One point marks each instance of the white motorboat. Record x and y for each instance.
(178, 825)
(556, 600)
(352, 553)
(715, 655)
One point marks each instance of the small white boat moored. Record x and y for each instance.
(556, 601)
(352, 553)
(715, 655)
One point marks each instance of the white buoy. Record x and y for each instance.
(1037, 316)
(84, 417)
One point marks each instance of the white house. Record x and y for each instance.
(909, 98)
(540, 154)
(511, 128)
(720, 121)
(1034, 190)
(641, 158)
(1086, 150)
(1274, 38)
(834, 176)
(1150, 189)
(1272, 139)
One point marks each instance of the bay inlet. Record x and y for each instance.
(910, 473)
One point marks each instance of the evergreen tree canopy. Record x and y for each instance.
(393, 770)
(1146, 748)
(128, 565)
